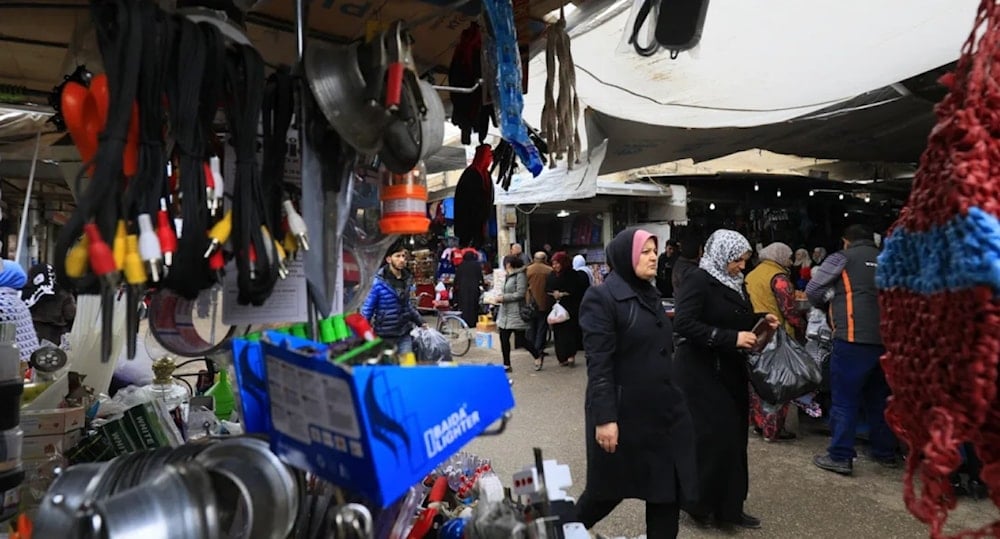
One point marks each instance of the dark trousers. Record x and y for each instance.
(538, 334)
(519, 342)
(661, 518)
(858, 383)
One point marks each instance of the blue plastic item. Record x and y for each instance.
(374, 430)
(507, 91)
(248, 362)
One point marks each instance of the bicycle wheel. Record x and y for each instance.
(457, 332)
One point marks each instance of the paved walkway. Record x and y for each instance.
(792, 497)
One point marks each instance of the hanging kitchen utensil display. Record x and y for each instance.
(340, 88)
(370, 93)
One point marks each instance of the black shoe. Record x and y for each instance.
(843, 467)
(892, 463)
(745, 521)
(701, 521)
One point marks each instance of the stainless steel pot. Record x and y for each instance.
(178, 503)
(252, 483)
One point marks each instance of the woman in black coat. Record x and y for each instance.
(469, 287)
(640, 438)
(568, 286)
(714, 319)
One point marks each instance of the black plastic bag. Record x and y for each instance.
(783, 370)
(430, 346)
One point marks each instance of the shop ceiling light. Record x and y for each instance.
(779, 192)
(841, 197)
(711, 206)
(756, 186)
(812, 193)
(562, 213)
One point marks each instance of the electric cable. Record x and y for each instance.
(276, 118)
(253, 247)
(144, 192)
(190, 274)
(117, 25)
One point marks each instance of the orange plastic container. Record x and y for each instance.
(404, 204)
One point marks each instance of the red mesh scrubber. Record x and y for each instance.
(940, 279)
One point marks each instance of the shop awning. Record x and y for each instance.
(560, 184)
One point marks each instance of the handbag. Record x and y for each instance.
(783, 370)
(528, 310)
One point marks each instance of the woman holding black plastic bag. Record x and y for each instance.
(639, 433)
(770, 289)
(714, 320)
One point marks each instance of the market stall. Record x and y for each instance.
(237, 188)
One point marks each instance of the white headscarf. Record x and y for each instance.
(802, 258)
(580, 264)
(777, 252)
(724, 246)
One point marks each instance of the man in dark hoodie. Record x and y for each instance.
(388, 307)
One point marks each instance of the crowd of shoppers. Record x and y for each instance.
(668, 403)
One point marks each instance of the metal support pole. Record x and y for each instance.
(22, 248)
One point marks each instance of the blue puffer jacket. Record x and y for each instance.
(390, 314)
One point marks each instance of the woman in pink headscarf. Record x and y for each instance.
(567, 286)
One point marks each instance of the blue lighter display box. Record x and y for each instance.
(248, 362)
(375, 430)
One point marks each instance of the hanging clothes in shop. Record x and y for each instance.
(469, 112)
(474, 199)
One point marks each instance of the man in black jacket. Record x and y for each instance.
(665, 269)
(846, 280)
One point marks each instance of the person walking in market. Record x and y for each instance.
(714, 320)
(538, 332)
(771, 291)
(468, 286)
(388, 307)
(690, 250)
(846, 280)
(640, 437)
(567, 287)
(665, 268)
(509, 320)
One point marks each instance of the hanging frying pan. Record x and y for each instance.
(339, 86)
(418, 132)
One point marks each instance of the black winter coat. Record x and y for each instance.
(629, 346)
(712, 374)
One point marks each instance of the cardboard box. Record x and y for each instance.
(484, 340)
(41, 447)
(50, 422)
(376, 430)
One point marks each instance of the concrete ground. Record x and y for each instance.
(792, 497)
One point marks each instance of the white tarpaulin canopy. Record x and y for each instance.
(763, 61)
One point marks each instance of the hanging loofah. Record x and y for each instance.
(940, 290)
(561, 111)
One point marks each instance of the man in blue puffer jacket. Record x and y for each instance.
(388, 307)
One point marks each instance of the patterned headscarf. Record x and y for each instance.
(724, 246)
(41, 283)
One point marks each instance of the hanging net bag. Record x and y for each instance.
(939, 280)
